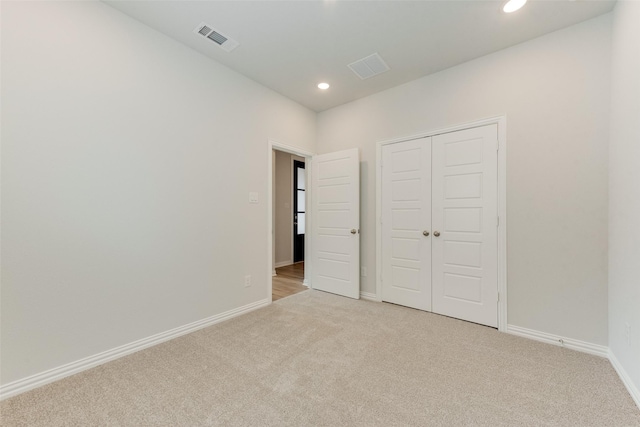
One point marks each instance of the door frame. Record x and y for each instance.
(501, 122)
(276, 145)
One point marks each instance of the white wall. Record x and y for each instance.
(122, 218)
(555, 93)
(624, 191)
(122, 215)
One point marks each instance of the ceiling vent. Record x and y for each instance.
(370, 66)
(215, 36)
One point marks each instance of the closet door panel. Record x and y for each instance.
(464, 201)
(406, 216)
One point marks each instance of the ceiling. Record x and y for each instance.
(291, 46)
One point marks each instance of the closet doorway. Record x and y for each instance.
(439, 237)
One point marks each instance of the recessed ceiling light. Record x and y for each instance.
(513, 5)
(323, 86)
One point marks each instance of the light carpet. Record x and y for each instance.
(316, 359)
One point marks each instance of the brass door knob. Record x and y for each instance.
(425, 233)
(436, 233)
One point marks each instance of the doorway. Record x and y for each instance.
(331, 219)
(289, 222)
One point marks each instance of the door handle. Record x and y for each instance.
(425, 233)
(354, 231)
(436, 233)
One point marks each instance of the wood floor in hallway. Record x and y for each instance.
(288, 281)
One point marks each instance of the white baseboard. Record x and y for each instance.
(282, 264)
(46, 377)
(626, 380)
(369, 296)
(273, 273)
(20, 386)
(573, 344)
(305, 282)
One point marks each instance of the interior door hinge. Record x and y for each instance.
(498, 296)
(497, 145)
(498, 221)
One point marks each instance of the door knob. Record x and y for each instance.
(436, 233)
(354, 231)
(425, 233)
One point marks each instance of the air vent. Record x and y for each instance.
(368, 67)
(204, 30)
(213, 35)
(217, 37)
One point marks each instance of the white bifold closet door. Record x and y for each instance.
(439, 224)
(465, 213)
(406, 223)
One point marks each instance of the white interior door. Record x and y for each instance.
(335, 185)
(406, 223)
(465, 221)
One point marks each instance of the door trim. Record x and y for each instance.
(276, 145)
(501, 122)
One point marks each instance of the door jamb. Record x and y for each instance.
(275, 145)
(501, 122)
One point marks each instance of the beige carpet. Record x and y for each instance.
(319, 359)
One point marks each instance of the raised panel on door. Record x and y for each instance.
(336, 208)
(406, 215)
(464, 212)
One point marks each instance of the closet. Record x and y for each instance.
(439, 219)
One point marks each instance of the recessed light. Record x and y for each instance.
(323, 86)
(513, 5)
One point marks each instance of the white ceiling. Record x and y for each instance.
(290, 46)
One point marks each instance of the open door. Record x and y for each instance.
(335, 184)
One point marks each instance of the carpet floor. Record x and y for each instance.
(316, 359)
